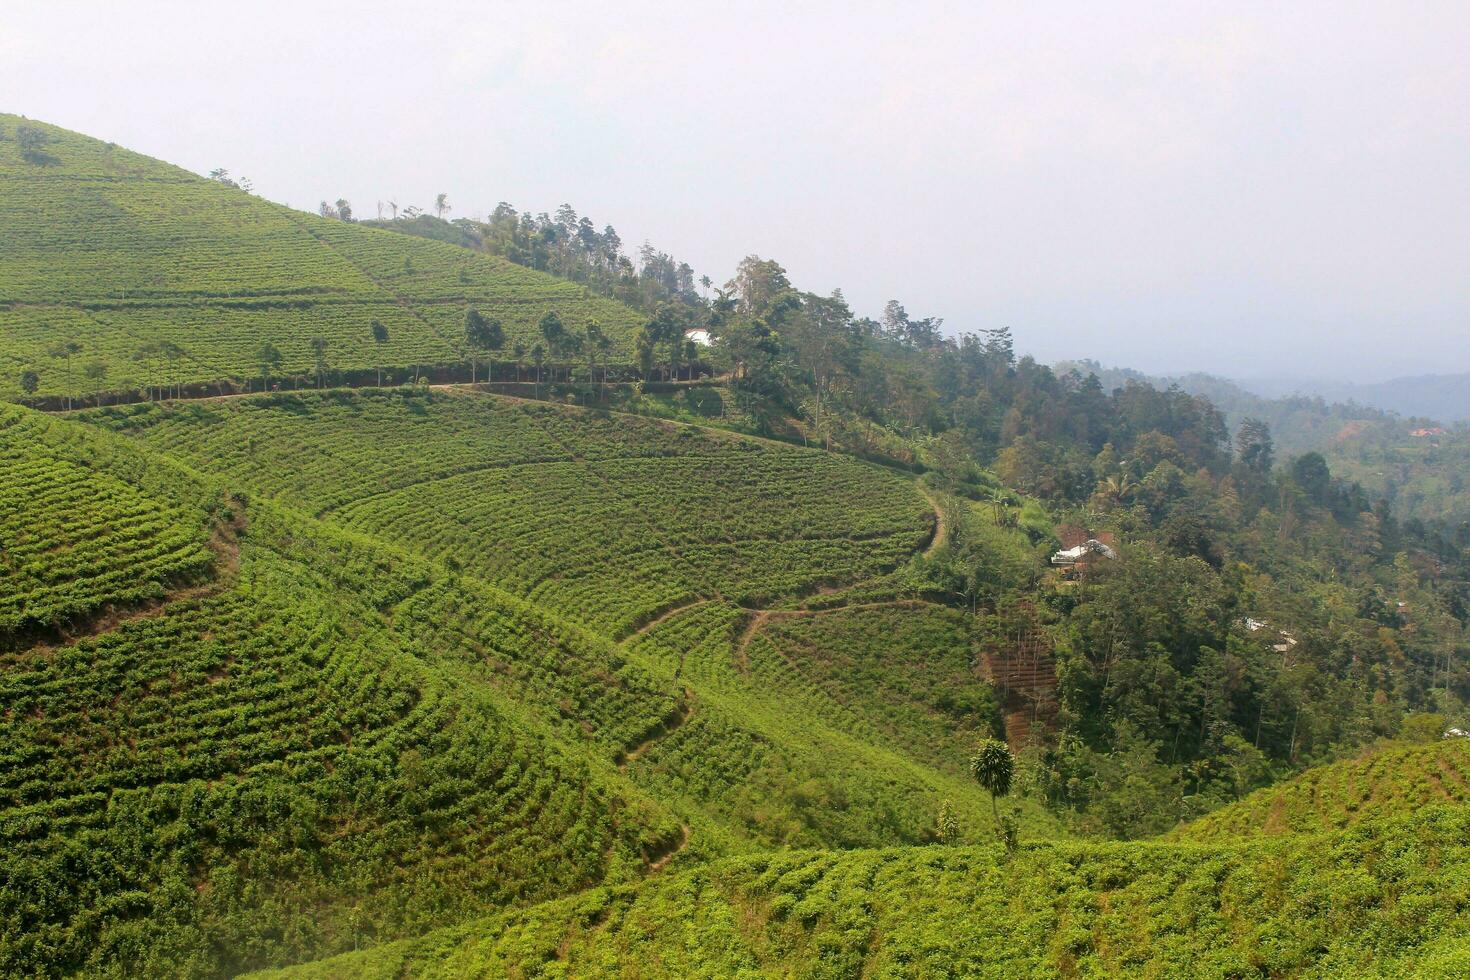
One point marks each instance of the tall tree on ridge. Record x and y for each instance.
(319, 356)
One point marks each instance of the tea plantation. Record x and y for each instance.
(313, 752)
(410, 680)
(87, 523)
(161, 278)
(1377, 785)
(607, 519)
(1385, 898)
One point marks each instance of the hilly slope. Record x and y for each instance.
(444, 653)
(1444, 397)
(1386, 897)
(668, 539)
(306, 752)
(88, 525)
(1381, 783)
(490, 686)
(609, 519)
(162, 278)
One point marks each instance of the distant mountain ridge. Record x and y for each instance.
(1442, 397)
(1299, 423)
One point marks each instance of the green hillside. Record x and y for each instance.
(661, 535)
(1379, 784)
(608, 519)
(309, 751)
(165, 278)
(362, 719)
(87, 524)
(1381, 900)
(404, 680)
(1372, 891)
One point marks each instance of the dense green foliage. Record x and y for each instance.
(611, 521)
(272, 770)
(904, 672)
(1381, 784)
(571, 247)
(1416, 465)
(779, 748)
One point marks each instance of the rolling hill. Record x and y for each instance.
(1378, 785)
(401, 680)
(1443, 397)
(163, 278)
(88, 525)
(1384, 898)
(451, 631)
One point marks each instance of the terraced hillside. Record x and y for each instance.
(88, 525)
(606, 519)
(333, 745)
(669, 539)
(162, 278)
(1383, 897)
(1380, 783)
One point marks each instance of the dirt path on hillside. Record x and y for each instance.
(658, 864)
(660, 619)
(667, 728)
(764, 616)
(941, 525)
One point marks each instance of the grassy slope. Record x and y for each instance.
(1386, 896)
(608, 519)
(114, 251)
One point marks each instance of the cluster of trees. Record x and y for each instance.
(565, 244)
(32, 142)
(65, 353)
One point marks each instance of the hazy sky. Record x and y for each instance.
(1256, 189)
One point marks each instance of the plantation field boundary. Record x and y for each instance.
(223, 541)
(682, 715)
(398, 298)
(660, 618)
(941, 523)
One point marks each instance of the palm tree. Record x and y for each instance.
(1115, 488)
(380, 337)
(494, 340)
(441, 204)
(992, 765)
(173, 353)
(604, 347)
(65, 352)
(97, 372)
